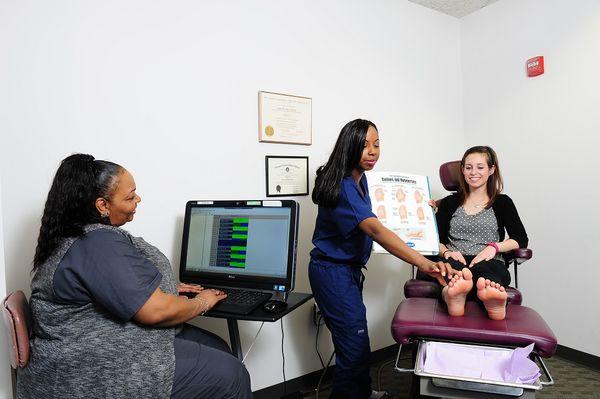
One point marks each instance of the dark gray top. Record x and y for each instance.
(104, 267)
(469, 234)
(84, 345)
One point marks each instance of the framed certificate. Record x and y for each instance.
(284, 118)
(286, 176)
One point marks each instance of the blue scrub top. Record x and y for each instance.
(337, 237)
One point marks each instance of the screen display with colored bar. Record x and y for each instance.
(249, 241)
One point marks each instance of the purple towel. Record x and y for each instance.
(479, 362)
(521, 369)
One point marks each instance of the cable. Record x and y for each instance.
(317, 341)
(385, 364)
(320, 322)
(283, 358)
(379, 372)
(253, 341)
(323, 375)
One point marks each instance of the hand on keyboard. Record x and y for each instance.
(240, 301)
(211, 296)
(189, 290)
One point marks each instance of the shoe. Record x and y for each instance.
(382, 395)
(378, 394)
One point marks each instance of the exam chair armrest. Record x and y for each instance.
(518, 255)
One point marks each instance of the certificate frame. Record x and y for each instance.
(286, 175)
(284, 118)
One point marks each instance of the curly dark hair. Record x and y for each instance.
(70, 206)
(344, 158)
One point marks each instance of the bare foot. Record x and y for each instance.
(455, 293)
(493, 296)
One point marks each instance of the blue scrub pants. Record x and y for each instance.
(337, 289)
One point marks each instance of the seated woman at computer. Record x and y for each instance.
(108, 318)
(343, 238)
(471, 225)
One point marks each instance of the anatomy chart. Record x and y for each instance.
(400, 201)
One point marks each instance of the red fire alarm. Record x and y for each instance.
(535, 66)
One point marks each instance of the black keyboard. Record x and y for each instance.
(240, 301)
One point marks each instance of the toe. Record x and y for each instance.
(480, 283)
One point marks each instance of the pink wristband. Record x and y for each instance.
(493, 244)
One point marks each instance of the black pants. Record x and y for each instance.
(205, 368)
(494, 270)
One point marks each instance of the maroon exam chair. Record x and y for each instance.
(423, 286)
(423, 317)
(17, 321)
(421, 320)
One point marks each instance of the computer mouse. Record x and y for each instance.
(274, 306)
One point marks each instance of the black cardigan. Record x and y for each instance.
(504, 209)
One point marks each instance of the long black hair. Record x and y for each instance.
(495, 184)
(79, 181)
(344, 158)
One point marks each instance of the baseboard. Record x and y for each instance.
(307, 383)
(581, 358)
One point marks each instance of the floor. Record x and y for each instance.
(571, 381)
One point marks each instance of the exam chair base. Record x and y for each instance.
(427, 388)
(453, 388)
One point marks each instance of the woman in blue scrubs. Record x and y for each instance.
(343, 237)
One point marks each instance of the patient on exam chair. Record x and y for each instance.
(471, 225)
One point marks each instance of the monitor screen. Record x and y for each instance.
(249, 244)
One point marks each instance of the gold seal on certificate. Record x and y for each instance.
(284, 118)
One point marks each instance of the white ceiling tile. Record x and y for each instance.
(456, 8)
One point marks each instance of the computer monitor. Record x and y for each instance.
(245, 244)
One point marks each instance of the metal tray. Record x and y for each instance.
(471, 384)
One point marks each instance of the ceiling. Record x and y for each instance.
(456, 8)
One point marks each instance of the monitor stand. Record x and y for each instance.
(280, 296)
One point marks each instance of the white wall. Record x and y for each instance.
(545, 130)
(5, 373)
(169, 89)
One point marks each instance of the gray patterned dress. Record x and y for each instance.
(82, 351)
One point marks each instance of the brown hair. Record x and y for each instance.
(494, 184)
